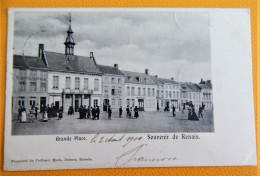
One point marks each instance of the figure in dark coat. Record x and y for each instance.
(60, 113)
(173, 111)
(36, 111)
(120, 112)
(136, 114)
(93, 114)
(98, 112)
(127, 112)
(109, 113)
(200, 112)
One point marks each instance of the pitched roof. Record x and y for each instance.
(110, 70)
(203, 86)
(134, 77)
(81, 64)
(190, 87)
(168, 81)
(156, 80)
(27, 62)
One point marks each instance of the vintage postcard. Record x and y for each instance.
(120, 87)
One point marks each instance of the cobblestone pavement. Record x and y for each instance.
(148, 122)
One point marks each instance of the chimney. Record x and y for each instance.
(172, 78)
(41, 54)
(91, 55)
(156, 76)
(147, 71)
(41, 50)
(116, 66)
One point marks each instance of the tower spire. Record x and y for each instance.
(69, 43)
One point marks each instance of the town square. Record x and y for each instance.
(148, 122)
(66, 93)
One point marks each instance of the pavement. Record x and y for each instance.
(148, 122)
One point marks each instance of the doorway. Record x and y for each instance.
(141, 104)
(42, 103)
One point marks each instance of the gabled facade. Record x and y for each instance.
(113, 88)
(140, 91)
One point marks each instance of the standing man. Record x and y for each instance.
(127, 112)
(200, 112)
(120, 112)
(136, 114)
(60, 113)
(98, 112)
(36, 111)
(94, 113)
(109, 112)
(173, 111)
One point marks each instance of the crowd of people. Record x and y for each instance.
(93, 113)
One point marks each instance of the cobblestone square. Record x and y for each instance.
(148, 122)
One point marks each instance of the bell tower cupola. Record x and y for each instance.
(69, 43)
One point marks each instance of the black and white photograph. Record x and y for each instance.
(128, 87)
(111, 72)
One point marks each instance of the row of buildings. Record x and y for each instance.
(65, 79)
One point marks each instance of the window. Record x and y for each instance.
(145, 80)
(96, 84)
(55, 82)
(106, 90)
(32, 101)
(21, 101)
(43, 87)
(106, 79)
(33, 73)
(33, 86)
(119, 91)
(153, 93)
(133, 102)
(161, 103)
(149, 92)
(119, 102)
(113, 80)
(157, 93)
(129, 78)
(170, 94)
(119, 80)
(113, 91)
(68, 83)
(162, 93)
(166, 94)
(113, 101)
(128, 102)
(144, 92)
(128, 90)
(86, 83)
(173, 94)
(133, 91)
(77, 82)
(21, 86)
(139, 91)
(95, 102)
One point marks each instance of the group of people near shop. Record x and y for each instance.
(191, 111)
(87, 113)
(132, 113)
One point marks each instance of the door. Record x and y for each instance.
(57, 105)
(167, 105)
(76, 105)
(42, 103)
(105, 104)
(141, 104)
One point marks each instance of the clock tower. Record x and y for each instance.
(69, 43)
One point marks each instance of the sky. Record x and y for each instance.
(168, 43)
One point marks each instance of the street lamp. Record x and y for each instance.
(30, 36)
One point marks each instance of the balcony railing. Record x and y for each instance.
(78, 91)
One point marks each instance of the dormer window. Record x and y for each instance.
(129, 78)
(145, 80)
